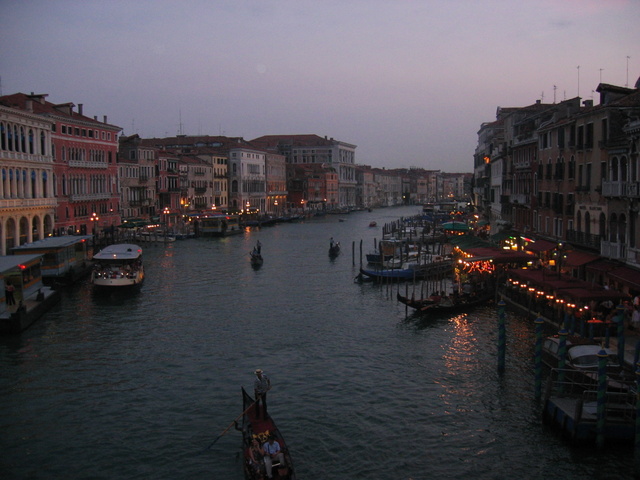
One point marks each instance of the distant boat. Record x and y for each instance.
(334, 249)
(118, 266)
(373, 224)
(256, 259)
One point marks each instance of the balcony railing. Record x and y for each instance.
(583, 239)
(613, 188)
(521, 198)
(613, 250)
(84, 197)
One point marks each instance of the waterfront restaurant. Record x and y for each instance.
(553, 295)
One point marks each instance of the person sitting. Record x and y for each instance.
(256, 456)
(446, 301)
(272, 452)
(435, 297)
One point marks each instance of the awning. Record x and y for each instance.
(541, 246)
(601, 266)
(628, 276)
(577, 259)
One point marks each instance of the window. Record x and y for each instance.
(588, 142)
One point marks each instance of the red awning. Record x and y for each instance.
(540, 246)
(577, 259)
(628, 276)
(601, 266)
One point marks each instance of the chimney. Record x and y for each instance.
(30, 105)
(95, 117)
(79, 109)
(104, 117)
(588, 103)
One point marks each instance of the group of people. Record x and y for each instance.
(262, 457)
(265, 456)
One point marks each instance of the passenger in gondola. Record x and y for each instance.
(256, 459)
(272, 453)
(435, 297)
(446, 301)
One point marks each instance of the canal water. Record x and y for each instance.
(137, 386)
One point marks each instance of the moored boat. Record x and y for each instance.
(334, 249)
(118, 266)
(413, 271)
(260, 429)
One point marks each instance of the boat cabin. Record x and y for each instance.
(63, 258)
(218, 225)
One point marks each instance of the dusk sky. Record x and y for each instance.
(408, 82)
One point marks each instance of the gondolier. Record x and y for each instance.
(260, 387)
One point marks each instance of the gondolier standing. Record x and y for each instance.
(261, 386)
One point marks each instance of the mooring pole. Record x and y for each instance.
(502, 335)
(620, 321)
(602, 392)
(538, 356)
(637, 439)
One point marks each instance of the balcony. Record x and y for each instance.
(613, 250)
(583, 239)
(85, 197)
(613, 188)
(633, 189)
(520, 198)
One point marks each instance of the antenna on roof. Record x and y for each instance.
(554, 93)
(180, 124)
(542, 97)
(627, 84)
(578, 67)
(601, 75)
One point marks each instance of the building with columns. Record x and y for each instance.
(85, 177)
(27, 202)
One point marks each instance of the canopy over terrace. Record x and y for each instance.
(497, 255)
(570, 289)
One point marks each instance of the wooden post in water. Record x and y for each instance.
(562, 355)
(602, 392)
(620, 320)
(637, 440)
(353, 252)
(502, 336)
(538, 356)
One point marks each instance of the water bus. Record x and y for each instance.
(219, 225)
(118, 266)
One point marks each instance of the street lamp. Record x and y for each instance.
(94, 221)
(166, 212)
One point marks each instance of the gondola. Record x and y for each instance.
(413, 302)
(261, 429)
(462, 304)
(334, 249)
(256, 259)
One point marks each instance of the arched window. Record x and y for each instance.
(614, 169)
(613, 227)
(587, 223)
(579, 221)
(623, 169)
(43, 145)
(3, 139)
(31, 146)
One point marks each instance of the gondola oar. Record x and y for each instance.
(230, 425)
